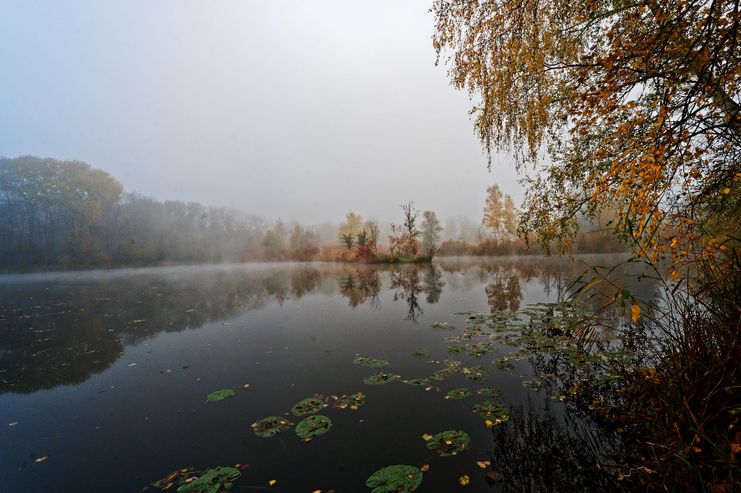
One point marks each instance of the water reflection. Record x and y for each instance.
(62, 329)
(540, 450)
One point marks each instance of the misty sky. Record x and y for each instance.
(293, 109)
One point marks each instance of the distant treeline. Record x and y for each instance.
(66, 214)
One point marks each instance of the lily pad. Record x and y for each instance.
(353, 401)
(475, 374)
(311, 405)
(450, 442)
(393, 479)
(458, 394)
(451, 368)
(503, 364)
(489, 392)
(532, 384)
(212, 481)
(370, 362)
(270, 426)
(313, 426)
(422, 352)
(420, 382)
(379, 379)
(492, 410)
(442, 325)
(220, 395)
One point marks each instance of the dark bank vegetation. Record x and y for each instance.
(66, 214)
(632, 108)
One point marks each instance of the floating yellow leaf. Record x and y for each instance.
(464, 480)
(483, 463)
(272, 482)
(425, 468)
(426, 437)
(42, 459)
(635, 311)
(726, 191)
(489, 423)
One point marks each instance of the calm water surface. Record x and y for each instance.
(107, 373)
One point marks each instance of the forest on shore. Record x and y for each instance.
(66, 214)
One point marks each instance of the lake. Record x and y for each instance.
(104, 377)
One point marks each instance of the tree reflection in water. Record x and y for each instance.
(542, 450)
(61, 329)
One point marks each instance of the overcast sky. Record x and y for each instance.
(293, 109)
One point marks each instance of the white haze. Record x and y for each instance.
(301, 110)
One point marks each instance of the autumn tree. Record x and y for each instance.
(404, 238)
(499, 212)
(493, 208)
(352, 225)
(430, 233)
(632, 105)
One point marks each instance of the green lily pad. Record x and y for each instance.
(212, 481)
(420, 382)
(492, 410)
(451, 368)
(456, 349)
(393, 479)
(353, 401)
(475, 374)
(422, 352)
(220, 395)
(503, 364)
(458, 394)
(270, 426)
(313, 426)
(442, 325)
(489, 392)
(532, 384)
(370, 362)
(311, 405)
(379, 379)
(450, 442)
(477, 350)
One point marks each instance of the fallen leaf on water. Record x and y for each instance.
(13, 423)
(489, 423)
(272, 482)
(317, 491)
(132, 364)
(426, 437)
(425, 468)
(464, 480)
(635, 311)
(483, 463)
(246, 386)
(42, 459)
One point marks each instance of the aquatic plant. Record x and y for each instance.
(380, 379)
(220, 395)
(458, 394)
(307, 406)
(450, 442)
(370, 362)
(270, 426)
(393, 479)
(313, 426)
(212, 481)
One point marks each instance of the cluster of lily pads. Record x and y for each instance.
(313, 425)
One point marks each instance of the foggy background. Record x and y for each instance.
(291, 109)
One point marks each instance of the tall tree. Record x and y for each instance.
(493, 209)
(636, 105)
(431, 229)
